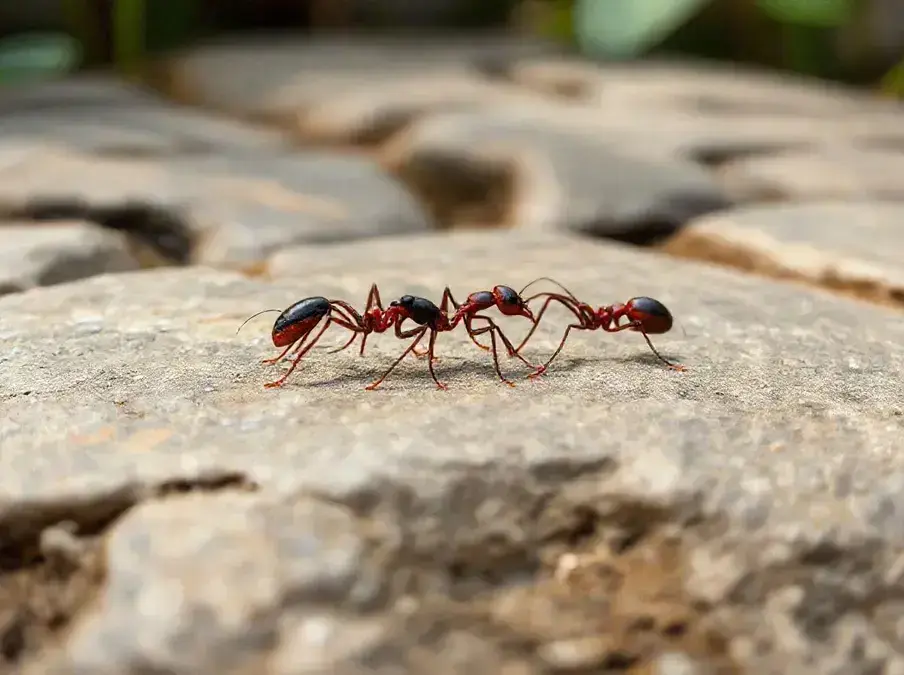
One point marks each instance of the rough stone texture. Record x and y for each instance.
(852, 246)
(103, 115)
(745, 513)
(225, 210)
(249, 208)
(34, 254)
(551, 176)
(694, 87)
(840, 173)
(286, 78)
(712, 112)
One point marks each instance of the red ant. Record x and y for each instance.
(646, 316)
(295, 323)
(298, 321)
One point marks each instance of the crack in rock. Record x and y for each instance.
(52, 561)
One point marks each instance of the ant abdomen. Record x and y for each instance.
(652, 314)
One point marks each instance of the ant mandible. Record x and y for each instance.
(646, 316)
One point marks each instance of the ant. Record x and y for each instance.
(646, 316)
(295, 323)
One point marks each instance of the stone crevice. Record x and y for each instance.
(52, 560)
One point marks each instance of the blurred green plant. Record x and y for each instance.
(28, 57)
(625, 28)
(806, 29)
(893, 83)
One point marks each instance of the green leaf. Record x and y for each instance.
(37, 56)
(893, 82)
(812, 13)
(625, 28)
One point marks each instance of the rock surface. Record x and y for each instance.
(161, 511)
(423, 530)
(44, 254)
(851, 246)
(103, 115)
(555, 178)
(228, 211)
(840, 173)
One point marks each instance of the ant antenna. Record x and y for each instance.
(553, 281)
(263, 311)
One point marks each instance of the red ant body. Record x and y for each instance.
(646, 316)
(297, 322)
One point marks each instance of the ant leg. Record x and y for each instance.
(373, 300)
(638, 327)
(431, 359)
(552, 297)
(420, 331)
(350, 316)
(279, 382)
(534, 327)
(542, 369)
(280, 357)
(472, 334)
(446, 299)
(512, 351)
(444, 305)
(347, 344)
(491, 328)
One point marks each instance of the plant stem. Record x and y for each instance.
(128, 35)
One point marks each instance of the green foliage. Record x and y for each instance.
(893, 82)
(37, 56)
(811, 13)
(625, 28)
(128, 35)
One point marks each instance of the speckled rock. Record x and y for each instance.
(745, 512)
(34, 254)
(389, 76)
(225, 210)
(832, 173)
(541, 174)
(104, 115)
(852, 246)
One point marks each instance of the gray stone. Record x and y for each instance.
(407, 529)
(695, 87)
(280, 76)
(106, 116)
(552, 177)
(248, 208)
(852, 246)
(709, 112)
(831, 173)
(33, 254)
(217, 596)
(226, 210)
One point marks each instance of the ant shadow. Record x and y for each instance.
(646, 359)
(444, 368)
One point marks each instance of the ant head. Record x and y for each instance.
(510, 302)
(654, 317)
(406, 301)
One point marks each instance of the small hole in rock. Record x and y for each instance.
(675, 629)
(619, 660)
